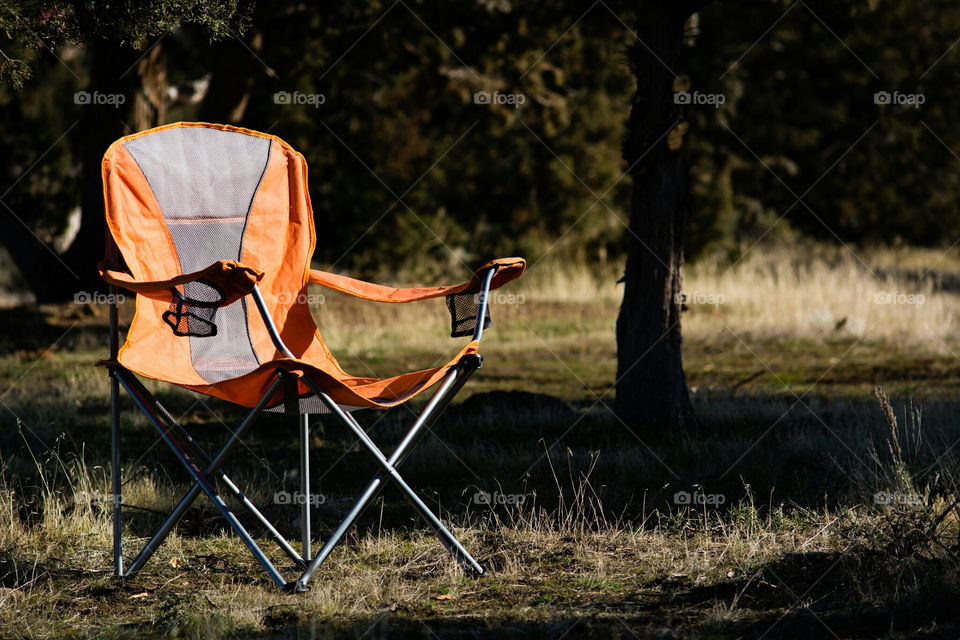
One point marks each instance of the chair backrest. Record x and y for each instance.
(183, 196)
(204, 181)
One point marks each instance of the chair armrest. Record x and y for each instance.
(227, 278)
(193, 297)
(467, 302)
(507, 269)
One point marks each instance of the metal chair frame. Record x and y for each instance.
(205, 476)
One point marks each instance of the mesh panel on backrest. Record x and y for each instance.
(204, 180)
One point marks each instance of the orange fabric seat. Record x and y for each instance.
(200, 214)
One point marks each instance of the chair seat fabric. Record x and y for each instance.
(350, 392)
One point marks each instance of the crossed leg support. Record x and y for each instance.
(448, 388)
(441, 398)
(201, 481)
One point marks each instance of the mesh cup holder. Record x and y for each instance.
(463, 308)
(193, 309)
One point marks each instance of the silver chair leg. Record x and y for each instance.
(201, 481)
(449, 541)
(115, 467)
(448, 388)
(213, 467)
(115, 421)
(305, 486)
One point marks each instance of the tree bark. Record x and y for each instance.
(234, 70)
(651, 387)
(52, 276)
(150, 100)
(112, 71)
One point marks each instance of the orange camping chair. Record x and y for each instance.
(215, 228)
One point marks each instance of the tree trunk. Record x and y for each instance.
(651, 388)
(55, 277)
(234, 69)
(112, 71)
(150, 100)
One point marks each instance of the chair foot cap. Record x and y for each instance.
(297, 587)
(294, 587)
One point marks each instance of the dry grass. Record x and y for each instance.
(599, 544)
(727, 574)
(898, 296)
(543, 563)
(817, 293)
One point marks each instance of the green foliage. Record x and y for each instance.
(30, 27)
(800, 104)
(40, 172)
(409, 173)
(400, 120)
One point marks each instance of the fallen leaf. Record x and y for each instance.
(443, 596)
(137, 596)
(176, 562)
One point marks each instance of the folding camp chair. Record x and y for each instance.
(207, 219)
